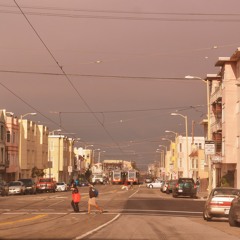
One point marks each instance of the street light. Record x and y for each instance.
(163, 146)
(167, 131)
(208, 101)
(86, 146)
(20, 140)
(186, 128)
(167, 139)
(208, 127)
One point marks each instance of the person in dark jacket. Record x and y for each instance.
(92, 200)
(76, 197)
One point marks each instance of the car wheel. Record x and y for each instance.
(174, 195)
(231, 220)
(150, 186)
(206, 216)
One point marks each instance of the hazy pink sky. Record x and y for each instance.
(124, 61)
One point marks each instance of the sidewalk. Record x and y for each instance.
(202, 194)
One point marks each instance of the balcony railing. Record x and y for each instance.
(216, 126)
(216, 95)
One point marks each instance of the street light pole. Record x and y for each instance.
(208, 128)
(186, 129)
(165, 153)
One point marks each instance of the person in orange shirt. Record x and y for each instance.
(76, 197)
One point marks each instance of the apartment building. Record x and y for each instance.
(225, 120)
(2, 144)
(41, 160)
(12, 147)
(60, 157)
(32, 147)
(188, 166)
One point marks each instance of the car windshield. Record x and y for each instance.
(14, 184)
(26, 181)
(60, 183)
(221, 192)
(186, 181)
(45, 180)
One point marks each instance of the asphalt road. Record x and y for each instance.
(140, 213)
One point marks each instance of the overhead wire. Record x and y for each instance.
(66, 76)
(100, 76)
(127, 12)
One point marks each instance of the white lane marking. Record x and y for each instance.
(133, 194)
(98, 228)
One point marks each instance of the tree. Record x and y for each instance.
(88, 174)
(37, 172)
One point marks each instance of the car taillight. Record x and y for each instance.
(195, 186)
(177, 185)
(220, 203)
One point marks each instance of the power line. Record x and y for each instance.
(123, 12)
(100, 76)
(66, 76)
(162, 19)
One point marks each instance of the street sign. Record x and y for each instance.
(210, 148)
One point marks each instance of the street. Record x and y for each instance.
(139, 213)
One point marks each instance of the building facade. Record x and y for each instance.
(225, 121)
(60, 158)
(12, 147)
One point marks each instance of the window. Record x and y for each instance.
(1, 133)
(193, 163)
(2, 156)
(8, 136)
(180, 162)
(14, 137)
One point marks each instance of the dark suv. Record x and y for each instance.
(3, 188)
(185, 187)
(29, 184)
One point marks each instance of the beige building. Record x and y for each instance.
(225, 120)
(60, 157)
(32, 147)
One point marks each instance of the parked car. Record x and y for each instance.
(219, 202)
(16, 187)
(156, 184)
(234, 212)
(148, 180)
(170, 185)
(185, 187)
(30, 185)
(46, 185)
(83, 183)
(164, 186)
(61, 187)
(4, 188)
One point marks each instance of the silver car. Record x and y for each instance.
(16, 187)
(219, 202)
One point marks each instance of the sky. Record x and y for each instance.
(111, 72)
